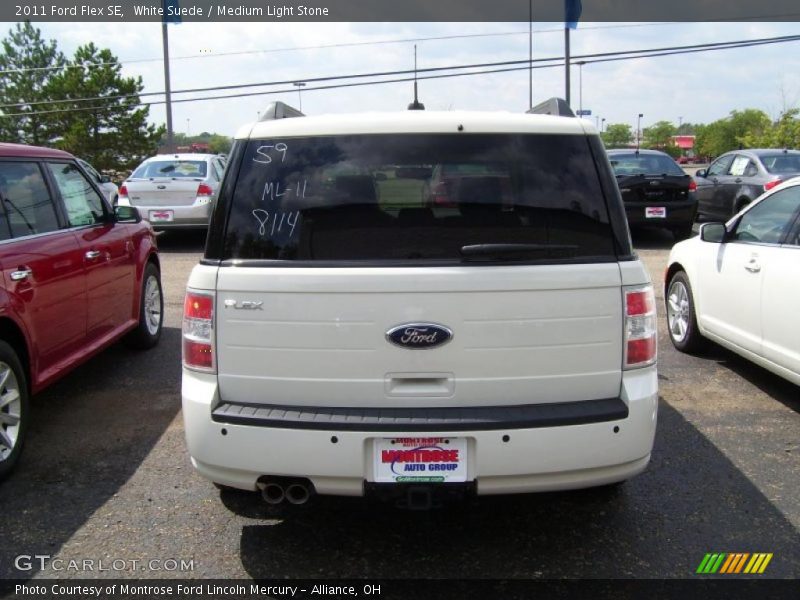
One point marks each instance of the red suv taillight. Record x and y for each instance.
(692, 185)
(123, 190)
(771, 184)
(640, 327)
(198, 331)
(204, 190)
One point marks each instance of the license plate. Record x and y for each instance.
(420, 460)
(160, 216)
(655, 212)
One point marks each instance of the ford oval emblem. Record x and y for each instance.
(419, 336)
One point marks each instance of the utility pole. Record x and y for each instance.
(167, 91)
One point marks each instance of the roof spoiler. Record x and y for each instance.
(280, 110)
(553, 106)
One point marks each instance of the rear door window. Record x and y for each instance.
(27, 206)
(419, 197)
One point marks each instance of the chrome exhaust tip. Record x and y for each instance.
(297, 493)
(272, 493)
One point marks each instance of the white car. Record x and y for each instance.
(343, 336)
(108, 187)
(738, 284)
(175, 191)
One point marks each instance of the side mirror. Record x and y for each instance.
(701, 173)
(713, 232)
(105, 179)
(127, 214)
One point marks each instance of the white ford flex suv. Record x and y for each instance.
(359, 326)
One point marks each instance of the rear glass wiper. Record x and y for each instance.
(477, 252)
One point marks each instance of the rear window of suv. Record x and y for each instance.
(412, 198)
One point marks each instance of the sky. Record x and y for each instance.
(690, 88)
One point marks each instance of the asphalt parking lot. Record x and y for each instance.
(105, 476)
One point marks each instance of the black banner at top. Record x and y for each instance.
(396, 10)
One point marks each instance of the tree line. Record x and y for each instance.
(748, 128)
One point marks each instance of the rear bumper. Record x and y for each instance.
(677, 213)
(183, 216)
(530, 459)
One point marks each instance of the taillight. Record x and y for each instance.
(640, 327)
(198, 331)
(122, 196)
(771, 184)
(204, 190)
(692, 185)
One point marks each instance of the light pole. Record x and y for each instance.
(580, 84)
(299, 85)
(602, 125)
(187, 126)
(638, 130)
(680, 122)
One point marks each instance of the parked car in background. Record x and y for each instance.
(107, 187)
(77, 276)
(655, 190)
(737, 178)
(175, 190)
(738, 284)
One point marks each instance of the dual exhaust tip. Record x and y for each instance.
(295, 491)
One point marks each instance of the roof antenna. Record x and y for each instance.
(416, 104)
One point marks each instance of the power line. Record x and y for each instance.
(507, 67)
(324, 47)
(386, 42)
(663, 51)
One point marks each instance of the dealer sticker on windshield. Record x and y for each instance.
(655, 212)
(420, 460)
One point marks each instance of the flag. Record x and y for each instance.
(572, 13)
(174, 17)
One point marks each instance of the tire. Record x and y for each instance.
(14, 411)
(151, 311)
(681, 317)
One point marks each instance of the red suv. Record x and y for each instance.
(77, 276)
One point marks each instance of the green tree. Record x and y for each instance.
(732, 132)
(785, 133)
(617, 135)
(219, 144)
(659, 135)
(104, 121)
(28, 64)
